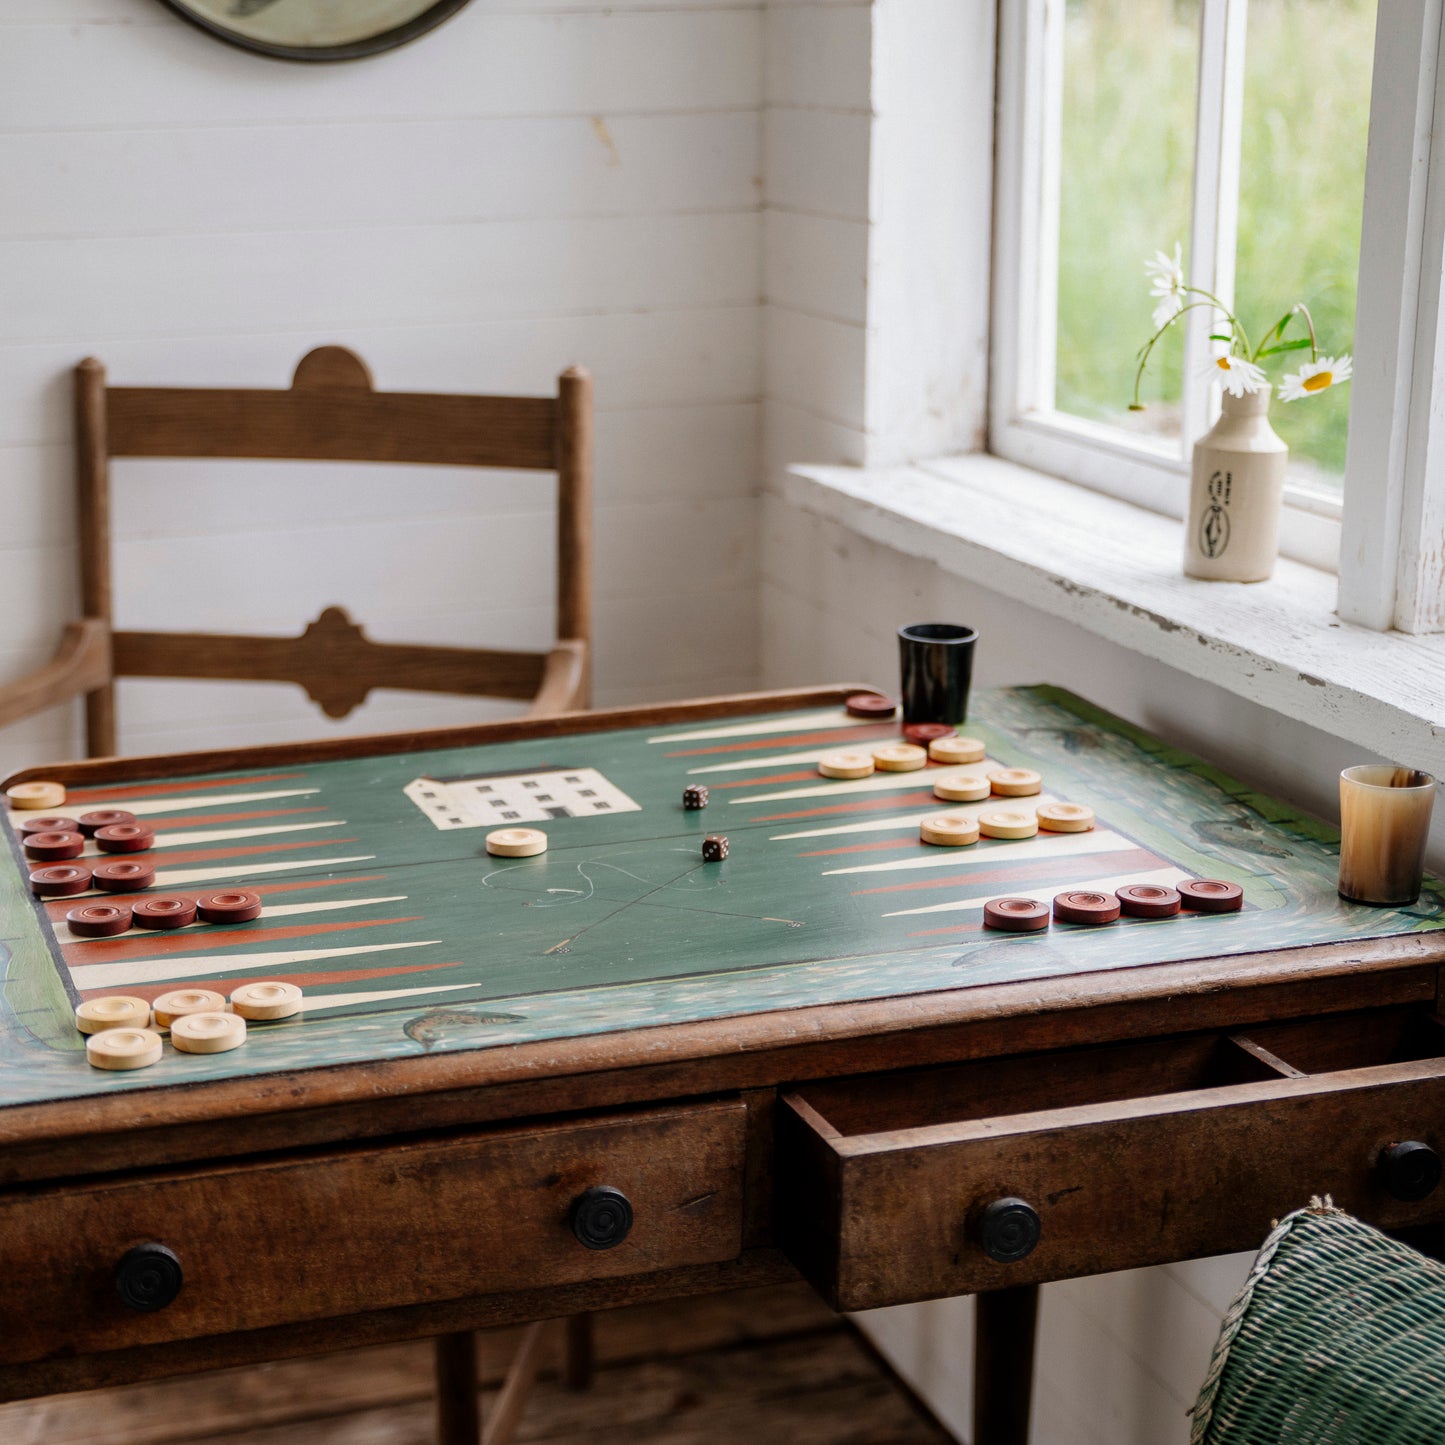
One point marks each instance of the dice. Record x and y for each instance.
(694, 796)
(714, 848)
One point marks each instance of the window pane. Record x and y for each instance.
(1126, 171)
(1302, 192)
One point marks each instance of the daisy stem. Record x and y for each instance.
(1235, 324)
(1304, 311)
(1148, 347)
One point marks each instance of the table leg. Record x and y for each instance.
(1003, 1365)
(507, 1409)
(577, 1354)
(459, 1407)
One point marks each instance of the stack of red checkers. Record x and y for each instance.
(52, 847)
(1210, 895)
(1082, 906)
(1148, 900)
(91, 823)
(59, 880)
(132, 876)
(98, 920)
(48, 825)
(870, 704)
(163, 913)
(924, 733)
(124, 838)
(231, 907)
(1015, 915)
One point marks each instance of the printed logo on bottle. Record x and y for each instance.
(1214, 524)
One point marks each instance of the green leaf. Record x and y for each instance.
(1301, 345)
(1220, 336)
(1278, 328)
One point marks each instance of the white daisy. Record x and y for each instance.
(1236, 375)
(1166, 277)
(1316, 376)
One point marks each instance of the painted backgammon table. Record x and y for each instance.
(522, 1087)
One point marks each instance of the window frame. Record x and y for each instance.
(1151, 474)
(1392, 572)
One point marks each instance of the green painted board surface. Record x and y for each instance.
(409, 939)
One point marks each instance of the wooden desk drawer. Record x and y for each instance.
(1127, 1155)
(298, 1238)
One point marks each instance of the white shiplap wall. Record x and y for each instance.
(816, 124)
(532, 185)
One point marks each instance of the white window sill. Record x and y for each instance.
(1114, 569)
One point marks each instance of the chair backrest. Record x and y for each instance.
(332, 413)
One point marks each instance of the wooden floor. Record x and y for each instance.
(755, 1367)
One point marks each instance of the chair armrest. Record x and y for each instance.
(81, 664)
(564, 680)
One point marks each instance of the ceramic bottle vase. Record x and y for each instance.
(1231, 532)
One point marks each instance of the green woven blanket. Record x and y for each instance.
(1337, 1338)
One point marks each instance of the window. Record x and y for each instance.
(1234, 127)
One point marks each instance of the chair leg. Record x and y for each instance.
(512, 1397)
(578, 1352)
(1003, 1365)
(459, 1406)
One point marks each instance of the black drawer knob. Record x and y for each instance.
(1008, 1229)
(1409, 1170)
(601, 1217)
(148, 1277)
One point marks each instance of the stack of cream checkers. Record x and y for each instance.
(959, 829)
(124, 1032)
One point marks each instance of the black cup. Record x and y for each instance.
(936, 660)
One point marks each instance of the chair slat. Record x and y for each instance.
(333, 425)
(333, 660)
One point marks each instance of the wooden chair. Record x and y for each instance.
(330, 413)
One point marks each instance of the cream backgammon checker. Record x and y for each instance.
(957, 749)
(1015, 782)
(1065, 817)
(272, 999)
(121, 1050)
(949, 830)
(35, 796)
(1008, 823)
(169, 1007)
(962, 787)
(112, 1011)
(900, 757)
(406, 936)
(208, 1033)
(845, 765)
(516, 842)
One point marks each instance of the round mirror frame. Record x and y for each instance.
(387, 39)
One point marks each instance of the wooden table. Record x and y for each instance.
(807, 1057)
